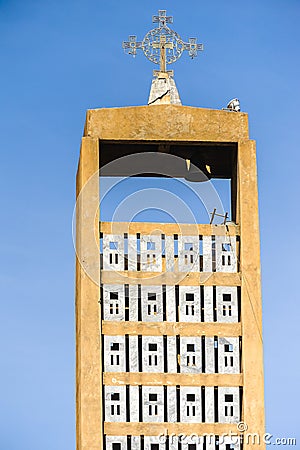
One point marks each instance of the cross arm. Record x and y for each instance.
(162, 18)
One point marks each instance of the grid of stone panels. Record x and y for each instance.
(175, 354)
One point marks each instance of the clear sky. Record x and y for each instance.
(61, 57)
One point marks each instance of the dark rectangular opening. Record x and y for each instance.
(140, 353)
(164, 299)
(127, 368)
(127, 404)
(139, 304)
(126, 302)
(165, 343)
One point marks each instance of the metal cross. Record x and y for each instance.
(162, 45)
(193, 47)
(132, 45)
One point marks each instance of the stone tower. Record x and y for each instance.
(168, 316)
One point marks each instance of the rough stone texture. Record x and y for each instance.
(166, 122)
(151, 253)
(153, 360)
(169, 249)
(135, 442)
(113, 252)
(88, 313)
(208, 304)
(207, 254)
(134, 400)
(172, 354)
(170, 303)
(133, 303)
(117, 310)
(209, 355)
(190, 360)
(163, 91)
(209, 404)
(172, 404)
(133, 354)
(190, 411)
(150, 405)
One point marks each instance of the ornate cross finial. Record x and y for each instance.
(162, 45)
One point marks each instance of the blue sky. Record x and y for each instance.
(60, 58)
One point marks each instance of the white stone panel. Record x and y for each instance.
(152, 303)
(210, 442)
(228, 404)
(132, 252)
(208, 304)
(189, 442)
(113, 252)
(228, 355)
(190, 404)
(207, 254)
(114, 353)
(133, 354)
(170, 304)
(113, 302)
(111, 440)
(115, 403)
(189, 304)
(169, 250)
(153, 403)
(135, 442)
(209, 355)
(151, 253)
(188, 254)
(226, 259)
(153, 357)
(209, 405)
(227, 304)
(134, 403)
(133, 303)
(172, 354)
(172, 404)
(190, 355)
